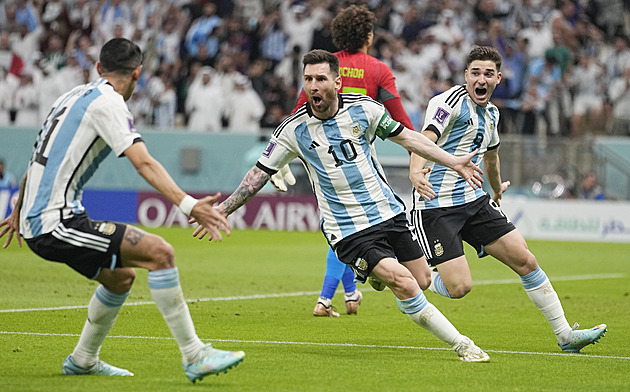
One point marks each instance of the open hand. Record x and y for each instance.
(469, 171)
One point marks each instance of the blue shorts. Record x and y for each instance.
(85, 245)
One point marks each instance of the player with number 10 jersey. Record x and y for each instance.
(351, 197)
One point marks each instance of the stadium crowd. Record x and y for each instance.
(235, 64)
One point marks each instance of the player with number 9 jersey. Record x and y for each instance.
(461, 126)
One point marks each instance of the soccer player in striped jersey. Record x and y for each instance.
(460, 120)
(83, 127)
(353, 33)
(361, 217)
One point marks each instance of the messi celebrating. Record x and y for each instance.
(361, 217)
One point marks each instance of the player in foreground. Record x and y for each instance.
(353, 32)
(362, 218)
(460, 120)
(83, 126)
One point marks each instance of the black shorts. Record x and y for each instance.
(363, 250)
(441, 230)
(85, 245)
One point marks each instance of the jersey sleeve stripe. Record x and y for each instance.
(264, 168)
(456, 96)
(300, 112)
(397, 131)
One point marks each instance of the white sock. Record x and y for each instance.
(541, 293)
(169, 298)
(103, 310)
(426, 315)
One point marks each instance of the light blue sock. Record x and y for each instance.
(413, 305)
(438, 285)
(541, 293)
(102, 312)
(168, 296)
(534, 279)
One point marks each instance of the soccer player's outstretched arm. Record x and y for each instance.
(421, 145)
(155, 174)
(417, 172)
(11, 224)
(254, 181)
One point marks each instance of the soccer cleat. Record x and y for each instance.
(353, 301)
(376, 284)
(579, 338)
(323, 308)
(469, 352)
(213, 361)
(100, 368)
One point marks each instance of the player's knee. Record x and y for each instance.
(459, 290)
(424, 280)
(163, 255)
(124, 278)
(527, 263)
(405, 284)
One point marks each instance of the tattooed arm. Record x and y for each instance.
(254, 181)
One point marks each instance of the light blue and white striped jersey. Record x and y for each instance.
(84, 125)
(347, 179)
(462, 126)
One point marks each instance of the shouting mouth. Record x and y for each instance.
(481, 91)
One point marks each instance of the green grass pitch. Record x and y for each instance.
(255, 291)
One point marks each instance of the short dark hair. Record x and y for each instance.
(351, 27)
(484, 53)
(319, 56)
(120, 55)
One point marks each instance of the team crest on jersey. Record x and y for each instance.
(107, 228)
(356, 129)
(361, 264)
(440, 115)
(438, 249)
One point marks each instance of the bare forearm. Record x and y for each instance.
(254, 181)
(421, 145)
(154, 173)
(493, 173)
(416, 163)
(157, 176)
(20, 199)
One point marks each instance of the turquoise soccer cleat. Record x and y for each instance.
(100, 368)
(213, 361)
(579, 338)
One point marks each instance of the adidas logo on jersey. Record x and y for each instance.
(313, 145)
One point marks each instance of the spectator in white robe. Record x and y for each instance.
(205, 102)
(244, 108)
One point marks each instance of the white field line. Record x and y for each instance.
(370, 346)
(301, 293)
